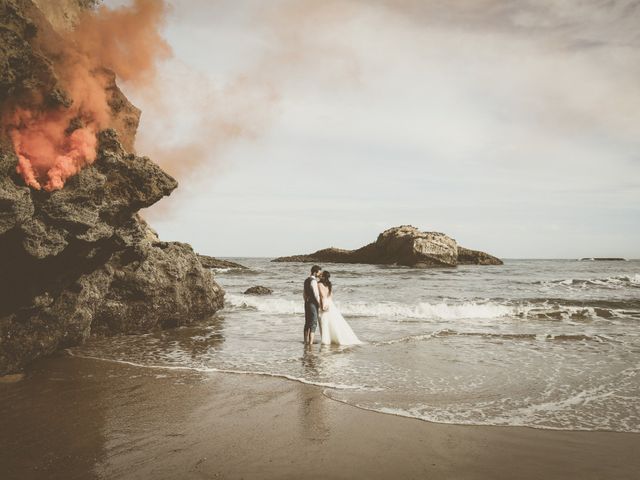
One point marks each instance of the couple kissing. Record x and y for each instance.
(320, 310)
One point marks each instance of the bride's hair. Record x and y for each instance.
(325, 279)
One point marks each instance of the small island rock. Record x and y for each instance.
(212, 262)
(258, 290)
(404, 245)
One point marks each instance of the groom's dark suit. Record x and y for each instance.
(311, 303)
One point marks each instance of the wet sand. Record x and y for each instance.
(74, 418)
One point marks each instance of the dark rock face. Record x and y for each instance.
(212, 262)
(258, 290)
(404, 245)
(168, 287)
(80, 261)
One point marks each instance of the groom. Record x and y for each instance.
(311, 304)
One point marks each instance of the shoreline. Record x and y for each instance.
(318, 385)
(473, 425)
(73, 417)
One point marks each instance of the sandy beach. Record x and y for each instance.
(77, 418)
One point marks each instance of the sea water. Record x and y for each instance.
(539, 343)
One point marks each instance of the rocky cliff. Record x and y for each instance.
(404, 245)
(79, 260)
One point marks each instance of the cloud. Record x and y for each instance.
(483, 119)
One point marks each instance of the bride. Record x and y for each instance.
(333, 327)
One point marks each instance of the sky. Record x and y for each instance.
(293, 125)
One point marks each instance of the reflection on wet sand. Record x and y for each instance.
(312, 414)
(320, 362)
(310, 362)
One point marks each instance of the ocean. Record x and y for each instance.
(540, 343)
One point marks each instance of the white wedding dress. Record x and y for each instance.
(335, 329)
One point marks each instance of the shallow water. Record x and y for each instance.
(540, 343)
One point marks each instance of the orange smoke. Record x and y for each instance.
(46, 152)
(54, 144)
(126, 40)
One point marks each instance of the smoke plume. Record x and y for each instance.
(216, 111)
(54, 143)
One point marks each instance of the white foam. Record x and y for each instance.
(420, 311)
(424, 310)
(539, 337)
(267, 305)
(410, 338)
(336, 386)
(221, 270)
(381, 309)
(616, 282)
(527, 417)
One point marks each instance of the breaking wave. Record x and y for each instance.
(387, 309)
(558, 337)
(431, 311)
(614, 282)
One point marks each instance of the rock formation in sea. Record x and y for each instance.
(212, 262)
(258, 290)
(78, 260)
(404, 245)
